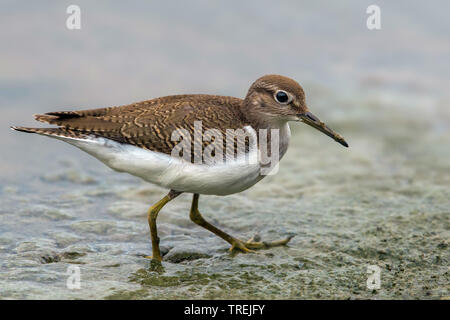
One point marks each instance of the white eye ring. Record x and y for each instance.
(282, 97)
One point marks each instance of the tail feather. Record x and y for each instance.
(56, 117)
(55, 132)
(74, 121)
(77, 124)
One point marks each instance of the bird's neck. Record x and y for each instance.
(271, 127)
(277, 133)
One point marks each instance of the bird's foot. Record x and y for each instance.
(240, 245)
(157, 258)
(155, 264)
(255, 243)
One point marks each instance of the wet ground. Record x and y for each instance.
(385, 201)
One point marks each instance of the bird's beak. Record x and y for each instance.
(314, 122)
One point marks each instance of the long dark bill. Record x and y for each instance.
(314, 122)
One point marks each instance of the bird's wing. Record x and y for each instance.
(150, 124)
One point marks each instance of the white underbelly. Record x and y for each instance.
(175, 173)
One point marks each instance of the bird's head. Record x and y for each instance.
(276, 98)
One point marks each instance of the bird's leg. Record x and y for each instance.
(152, 214)
(197, 218)
(245, 246)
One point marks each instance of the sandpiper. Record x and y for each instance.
(139, 139)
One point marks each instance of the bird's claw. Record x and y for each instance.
(255, 243)
(153, 259)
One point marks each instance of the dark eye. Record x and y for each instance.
(281, 96)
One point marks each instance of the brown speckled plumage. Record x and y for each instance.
(149, 124)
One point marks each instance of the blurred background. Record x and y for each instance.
(384, 201)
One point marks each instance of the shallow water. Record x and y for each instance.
(384, 201)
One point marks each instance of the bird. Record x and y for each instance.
(176, 142)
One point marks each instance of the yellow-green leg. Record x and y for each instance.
(151, 216)
(244, 246)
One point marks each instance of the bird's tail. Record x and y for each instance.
(53, 132)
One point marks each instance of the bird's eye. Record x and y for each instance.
(282, 97)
